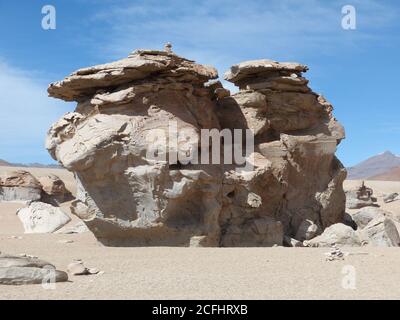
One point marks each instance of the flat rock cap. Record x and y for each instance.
(139, 65)
(253, 68)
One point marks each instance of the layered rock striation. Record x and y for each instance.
(129, 195)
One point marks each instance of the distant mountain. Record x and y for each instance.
(374, 166)
(4, 163)
(30, 165)
(391, 175)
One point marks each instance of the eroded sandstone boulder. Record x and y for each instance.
(337, 234)
(54, 190)
(381, 232)
(127, 196)
(18, 270)
(360, 197)
(19, 186)
(40, 217)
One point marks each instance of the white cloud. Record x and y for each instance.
(225, 32)
(26, 113)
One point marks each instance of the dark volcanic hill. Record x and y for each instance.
(374, 166)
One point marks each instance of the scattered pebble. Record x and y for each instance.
(65, 241)
(77, 268)
(93, 270)
(15, 237)
(335, 254)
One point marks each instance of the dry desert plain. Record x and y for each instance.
(199, 273)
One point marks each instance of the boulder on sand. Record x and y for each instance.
(19, 186)
(54, 190)
(381, 232)
(42, 217)
(366, 214)
(360, 197)
(391, 197)
(338, 234)
(16, 270)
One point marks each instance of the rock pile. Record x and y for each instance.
(128, 198)
(359, 197)
(335, 254)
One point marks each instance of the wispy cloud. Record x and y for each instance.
(26, 113)
(223, 32)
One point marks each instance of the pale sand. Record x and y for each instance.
(201, 273)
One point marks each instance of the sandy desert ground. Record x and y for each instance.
(200, 273)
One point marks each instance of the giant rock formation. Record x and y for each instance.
(129, 199)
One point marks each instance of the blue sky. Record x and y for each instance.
(358, 71)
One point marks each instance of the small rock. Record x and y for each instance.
(77, 268)
(335, 254)
(93, 270)
(65, 241)
(15, 237)
(307, 230)
(198, 241)
(290, 242)
(391, 197)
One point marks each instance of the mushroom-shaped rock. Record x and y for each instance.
(132, 191)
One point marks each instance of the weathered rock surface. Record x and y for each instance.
(54, 190)
(77, 268)
(15, 270)
(19, 186)
(360, 197)
(127, 197)
(7, 261)
(42, 217)
(381, 232)
(338, 234)
(391, 197)
(367, 214)
(79, 227)
(29, 275)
